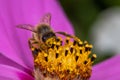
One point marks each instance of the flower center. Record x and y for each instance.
(66, 59)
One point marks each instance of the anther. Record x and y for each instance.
(85, 42)
(68, 71)
(80, 51)
(90, 47)
(93, 57)
(71, 49)
(86, 49)
(52, 46)
(57, 55)
(57, 40)
(76, 58)
(67, 40)
(74, 43)
(80, 44)
(57, 46)
(46, 59)
(85, 62)
(66, 52)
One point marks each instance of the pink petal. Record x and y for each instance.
(10, 50)
(107, 70)
(13, 42)
(10, 73)
(6, 61)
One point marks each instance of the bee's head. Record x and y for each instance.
(49, 38)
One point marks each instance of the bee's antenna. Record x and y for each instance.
(27, 27)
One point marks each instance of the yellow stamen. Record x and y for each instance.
(68, 61)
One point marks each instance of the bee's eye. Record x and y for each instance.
(48, 35)
(44, 38)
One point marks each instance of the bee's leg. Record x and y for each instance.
(33, 44)
(68, 35)
(34, 47)
(65, 34)
(30, 42)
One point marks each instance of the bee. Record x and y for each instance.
(42, 34)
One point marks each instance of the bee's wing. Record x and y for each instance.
(27, 27)
(46, 19)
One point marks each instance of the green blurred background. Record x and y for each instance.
(83, 13)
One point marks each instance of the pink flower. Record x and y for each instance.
(16, 62)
